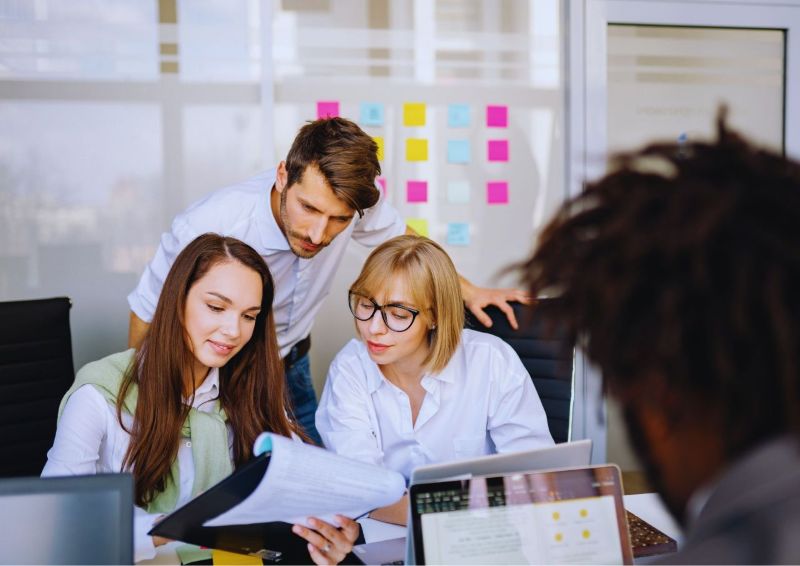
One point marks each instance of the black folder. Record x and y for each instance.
(273, 542)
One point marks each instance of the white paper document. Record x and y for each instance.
(304, 481)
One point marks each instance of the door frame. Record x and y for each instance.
(587, 103)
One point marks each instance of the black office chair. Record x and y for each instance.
(35, 371)
(547, 355)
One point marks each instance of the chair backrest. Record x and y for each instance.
(35, 371)
(546, 354)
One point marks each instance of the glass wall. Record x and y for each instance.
(115, 115)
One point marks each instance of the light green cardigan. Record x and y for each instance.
(207, 431)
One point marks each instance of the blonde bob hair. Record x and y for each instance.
(433, 283)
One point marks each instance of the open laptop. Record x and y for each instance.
(567, 516)
(67, 520)
(566, 454)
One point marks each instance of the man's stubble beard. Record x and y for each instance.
(290, 234)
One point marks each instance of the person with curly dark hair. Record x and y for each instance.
(679, 276)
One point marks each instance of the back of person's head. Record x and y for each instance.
(684, 263)
(346, 156)
(432, 281)
(252, 387)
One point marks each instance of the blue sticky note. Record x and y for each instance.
(458, 115)
(372, 114)
(458, 151)
(458, 234)
(458, 192)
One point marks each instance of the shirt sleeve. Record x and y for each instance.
(76, 451)
(517, 420)
(343, 417)
(144, 298)
(143, 546)
(80, 432)
(380, 223)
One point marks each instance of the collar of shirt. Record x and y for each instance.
(208, 391)
(273, 238)
(429, 382)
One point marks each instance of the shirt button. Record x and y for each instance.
(188, 444)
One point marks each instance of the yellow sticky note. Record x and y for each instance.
(379, 141)
(413, 114)
(416, 149)
(419, 225)
(219, 557)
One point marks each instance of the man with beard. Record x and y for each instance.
(679, 274)
(300, 218)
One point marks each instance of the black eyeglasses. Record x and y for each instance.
(398, 318)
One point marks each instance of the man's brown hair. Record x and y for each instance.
(345, 155)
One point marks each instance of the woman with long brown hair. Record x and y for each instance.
(184, 410)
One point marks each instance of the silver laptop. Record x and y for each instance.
(564, 455)
(67, 520)
(567, 454)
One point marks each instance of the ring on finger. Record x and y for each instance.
(327, 547)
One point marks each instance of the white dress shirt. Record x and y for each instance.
(243, 211)
(481, 403)
(90, 440)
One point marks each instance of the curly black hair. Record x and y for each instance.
(684, 262)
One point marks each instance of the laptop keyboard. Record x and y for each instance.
(455, 500)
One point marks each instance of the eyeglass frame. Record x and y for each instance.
(376, 307)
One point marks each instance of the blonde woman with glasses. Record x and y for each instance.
(416, 388)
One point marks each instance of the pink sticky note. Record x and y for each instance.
(497, 192)
(497, 116)
(327, 109)
(417, 191)
(382, 182)
(497, 150)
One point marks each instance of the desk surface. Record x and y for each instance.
(648, 506)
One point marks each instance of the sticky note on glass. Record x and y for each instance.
(458, 192)
(417, 191)
(458, 115)
(413, 114)
(497, 116)
(458, 234)
(379, 142)
(327, 109)
(371, 114)
(497, 192)
(458, 151)
(416, 149)
(497, 150)
(419, 225)
(382, 184)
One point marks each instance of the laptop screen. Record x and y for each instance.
(560, 516)
(69, 520)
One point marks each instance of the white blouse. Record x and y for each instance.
(483, 402)
(90, 440)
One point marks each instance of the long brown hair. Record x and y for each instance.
(252, 385)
